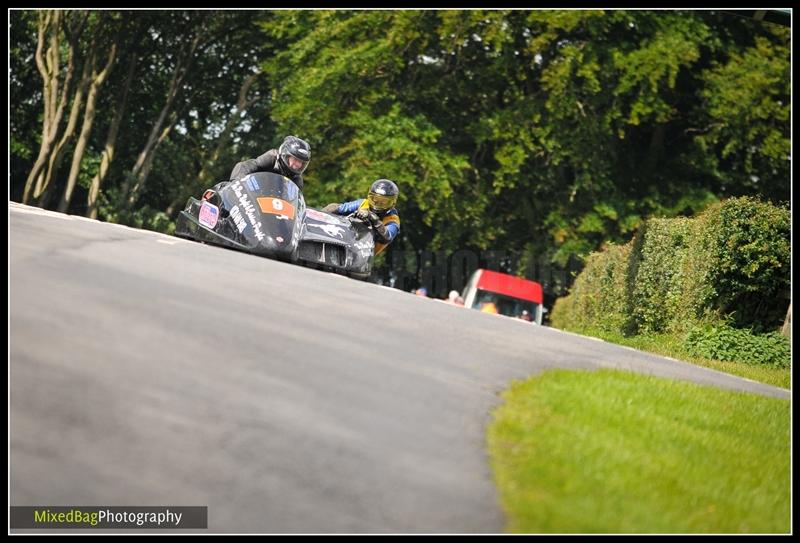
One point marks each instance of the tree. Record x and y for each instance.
(107, 156)
(537, 133)
(25, 93)
(97, 76)
(545, 132)
(746, 101)
(53, 27)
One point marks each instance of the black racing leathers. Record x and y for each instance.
(268, 162)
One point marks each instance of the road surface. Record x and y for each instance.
(148, 370)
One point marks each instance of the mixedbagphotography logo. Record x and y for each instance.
(102, 517)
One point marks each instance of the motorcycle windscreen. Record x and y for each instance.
(264, 208)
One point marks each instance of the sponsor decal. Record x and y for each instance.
(331, 230)
(276, 206)
(209, 215)
(248, 208)
(322, 217)
(252, 184)
(279, 239)
(364, 246)
(238, 219)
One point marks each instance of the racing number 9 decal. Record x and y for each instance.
(276, 206)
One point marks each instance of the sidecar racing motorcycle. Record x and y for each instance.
(265, 214)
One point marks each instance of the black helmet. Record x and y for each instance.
(293, 146)
(382, 196)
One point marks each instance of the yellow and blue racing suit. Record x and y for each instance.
(391, 219)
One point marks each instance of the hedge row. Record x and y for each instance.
(738, 264)
(658, 274)
(595, 299)
(729, 266)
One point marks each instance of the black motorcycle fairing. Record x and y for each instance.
(265, 214)
(260, 213)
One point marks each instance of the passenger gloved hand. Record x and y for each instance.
(379, 227)
(363, 215)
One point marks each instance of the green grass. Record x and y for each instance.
(672, 345)
(616, 452)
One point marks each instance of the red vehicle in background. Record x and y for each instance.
(496, 292)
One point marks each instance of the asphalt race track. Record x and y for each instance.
(149, 370)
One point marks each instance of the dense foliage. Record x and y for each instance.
(723, 278)
(543, 133)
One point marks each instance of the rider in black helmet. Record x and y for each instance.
(377, 209)
(290, 159)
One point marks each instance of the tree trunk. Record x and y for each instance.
(88, 119)
(111, 141)
(41, 192)
(147, 164)
(786, 329)
(141, 169)
(224, 138)
(202, 178)
(654, 151)
(48, 66)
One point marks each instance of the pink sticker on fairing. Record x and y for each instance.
(209, 215)
(320, 216)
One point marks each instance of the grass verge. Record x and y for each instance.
(615, 452)
(672, 345)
